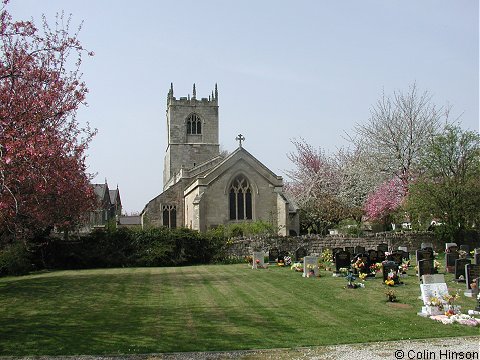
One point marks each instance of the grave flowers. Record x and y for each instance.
(391, 296)
(297, 266)
(392, 279)
(287, 260)
(374, 268)
(311, 270)
(359, 265)
(362, 276)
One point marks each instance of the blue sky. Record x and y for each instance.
(284, 69)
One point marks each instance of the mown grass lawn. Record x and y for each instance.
(200, 308)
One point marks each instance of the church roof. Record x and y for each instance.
(240, 154)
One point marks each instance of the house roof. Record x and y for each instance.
(114, 195)
(99, 190)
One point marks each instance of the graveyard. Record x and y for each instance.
(262, 303)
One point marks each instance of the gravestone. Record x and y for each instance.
(282, 255)
(472, 271)
(426, 246)
(310, 266)
(477, 308)
(350, 250)
(342, 260)
(382, 247)
(387, 267)
(405, 255)
(426, 267)
(273, 255)
(449, 247)
(373, 256)
(336, 250)
(430, 290)
(433, 278)
(476, 256)
(300, 253)
(396, 256)
(258, 261)
(460, 269)
(424, 254)
(404, 250)
(359, 250)
(450, 258)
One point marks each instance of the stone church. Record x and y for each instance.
(203, 188)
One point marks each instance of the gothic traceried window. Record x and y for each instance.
(194, 125)
(169, 216)
(240, 199)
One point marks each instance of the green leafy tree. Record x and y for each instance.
(448, 188)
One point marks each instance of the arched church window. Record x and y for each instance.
(194, 125)
(169, 216)
(240, 199)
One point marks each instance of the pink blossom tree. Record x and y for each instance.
(43, 179)
(385, 200)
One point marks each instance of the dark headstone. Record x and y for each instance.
(424, 254)
(460, 268)
(342, 260)
(336, 250)
(472, 271)
(350, 250)
(425, 267)
(387, 267)
(359, 249)
(450, 258)
(282, 254)
(478, 303)
(373, 256)
(382, 247)
(396, 256)
(300, 253)
(405, 254)
(273, 255)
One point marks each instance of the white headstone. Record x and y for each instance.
(448, 245)
(310, 266)
(258, 260)
(433, 286)
(433, 279)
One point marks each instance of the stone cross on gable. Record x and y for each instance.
(240, 138)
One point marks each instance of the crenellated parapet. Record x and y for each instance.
(212, 99)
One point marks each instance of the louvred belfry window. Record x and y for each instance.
(194, 125)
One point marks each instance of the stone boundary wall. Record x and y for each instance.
(315, 244)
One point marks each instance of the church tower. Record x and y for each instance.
(192, 130)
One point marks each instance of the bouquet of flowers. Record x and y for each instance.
(392, 278)
(359, 265)
(287, 260)
(297, 266)
(374, 268)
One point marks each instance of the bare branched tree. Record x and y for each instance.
(397, 132)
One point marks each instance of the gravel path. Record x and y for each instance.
(430, 349)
